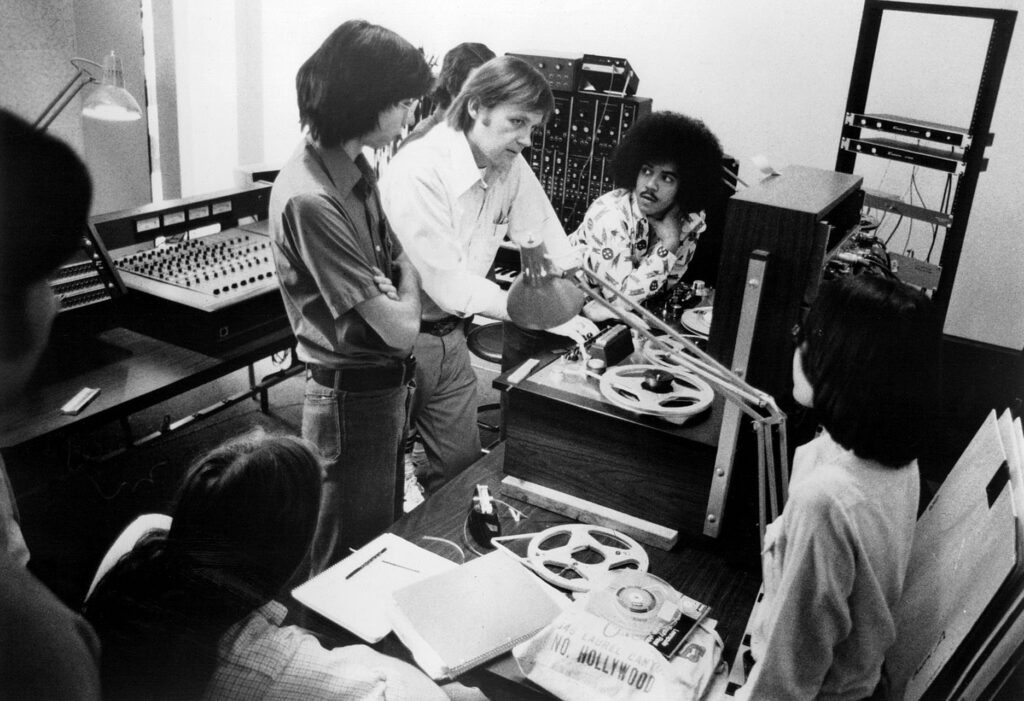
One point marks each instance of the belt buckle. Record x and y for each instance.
(408, 369)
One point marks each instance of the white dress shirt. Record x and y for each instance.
(451, 216)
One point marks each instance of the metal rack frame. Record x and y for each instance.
(973, 139)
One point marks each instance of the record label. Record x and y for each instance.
(637, 602)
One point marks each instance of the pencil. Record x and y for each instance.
(371, 559)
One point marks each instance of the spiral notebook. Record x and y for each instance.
(461, 618)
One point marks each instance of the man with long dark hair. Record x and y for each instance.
(350, 292)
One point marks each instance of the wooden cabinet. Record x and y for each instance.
(796, 218)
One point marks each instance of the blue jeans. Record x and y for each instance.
(444, 407)
(361, 438)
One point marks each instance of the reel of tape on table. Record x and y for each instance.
(574, 556)
(637, 602)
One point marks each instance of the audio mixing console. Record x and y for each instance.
(206, 292)
(209, 273)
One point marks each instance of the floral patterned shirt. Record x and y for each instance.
(619, 245)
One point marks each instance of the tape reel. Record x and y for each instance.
(697, 321)
(574, 556)
(637, 602)
(627, 387)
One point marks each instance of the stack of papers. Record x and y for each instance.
(464, 617)
(959, 621)
(356, 592)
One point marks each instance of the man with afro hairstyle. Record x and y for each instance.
(643, 234)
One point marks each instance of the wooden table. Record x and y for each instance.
(132, 371)
(697, 567)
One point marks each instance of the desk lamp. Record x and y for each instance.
(540, 296)
(110, 101)
(526, 305)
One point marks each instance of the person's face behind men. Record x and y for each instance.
(656, 188)
(500, 133)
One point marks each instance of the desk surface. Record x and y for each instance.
(131, 370)
(698, 567)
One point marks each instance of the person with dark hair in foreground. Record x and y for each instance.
(458, 64)
(835, 560)
(350, 292)
(46, 650)
(643, 234)
(192, 611)
(453, 197)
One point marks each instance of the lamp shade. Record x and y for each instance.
(540, 297)
(110, 101)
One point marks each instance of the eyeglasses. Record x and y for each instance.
(411, 104)
(799, 334)
(796, 334)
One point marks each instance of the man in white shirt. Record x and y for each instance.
(452, 197)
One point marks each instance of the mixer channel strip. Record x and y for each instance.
(207, 273)
(78, 285)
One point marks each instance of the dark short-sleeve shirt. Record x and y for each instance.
(329, 233)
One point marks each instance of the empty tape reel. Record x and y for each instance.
(637, 602)
(697, 320)
(673, 394)
(574, 556)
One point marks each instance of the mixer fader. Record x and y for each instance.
(209, 273)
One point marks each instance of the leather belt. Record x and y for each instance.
(363, 378)
(441, 327)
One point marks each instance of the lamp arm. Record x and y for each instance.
(768, 419)
(655, 322)
(65, 96)
(749, 399)
(67, 93)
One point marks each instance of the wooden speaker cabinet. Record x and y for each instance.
(798, 218)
